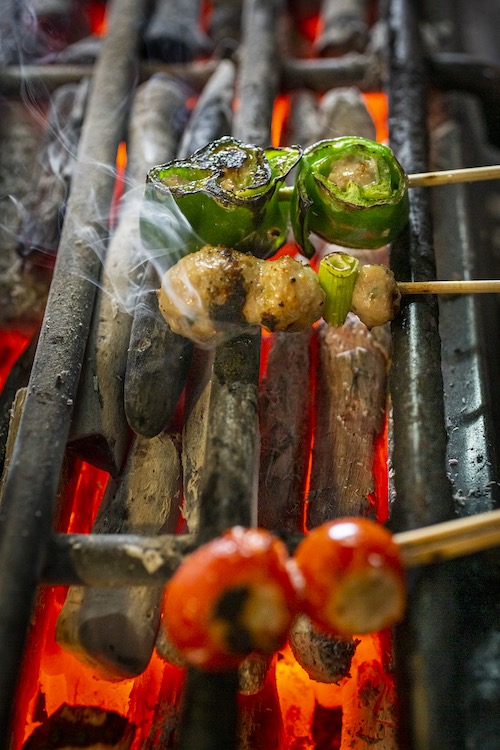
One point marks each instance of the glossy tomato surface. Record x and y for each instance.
(232, 596)
(354, 577)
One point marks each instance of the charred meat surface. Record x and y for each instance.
(218, 291)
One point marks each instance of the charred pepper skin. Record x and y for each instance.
(226, 192)
(354, 577)
(364, 210)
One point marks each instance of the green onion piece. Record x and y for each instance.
(337, 276)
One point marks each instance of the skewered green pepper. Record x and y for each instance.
(226, 193)
(350, 191)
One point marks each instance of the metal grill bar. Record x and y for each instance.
(426, 680)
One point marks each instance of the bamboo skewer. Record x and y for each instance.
(470, 286)
(451, 176)
(450, 539)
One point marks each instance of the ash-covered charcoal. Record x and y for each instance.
(284, 402)
(173, 33)
(23, 289)
(351, 395)
(59, 22)
(44, 207)
(324, 658)
(85, 727)
(99, 430)
(343, 111)
(217, 292)
(344, 27)
(212, 116)
(114, 630)
(83, 52)
(225, 25)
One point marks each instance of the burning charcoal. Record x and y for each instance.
(17, 378)
(83, 52)
(13, 425)
(302, 119)
(99, 430)
(60, 21)
(114, 630)
(83, 726)
(350, 409)
(45, 204)
(173, 33)
(156, 354)
(212, 116)
(344, 27)
(325, 659)
(225, 25)
(23, 290)
(369, 708)
(194, 438)
(343, 112)
(284, 401)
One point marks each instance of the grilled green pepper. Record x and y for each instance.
(350, 191)
(226, 193)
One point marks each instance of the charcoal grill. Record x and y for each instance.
(444, 434)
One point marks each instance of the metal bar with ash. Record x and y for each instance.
(422, 492)
(229, 482)
(32, 482)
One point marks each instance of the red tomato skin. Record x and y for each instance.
(240, 557)
(337, 549)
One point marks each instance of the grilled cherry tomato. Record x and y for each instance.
(351, 191)
(354, 577)
(232, 596)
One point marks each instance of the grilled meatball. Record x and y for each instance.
(216, 291)
(376, 297)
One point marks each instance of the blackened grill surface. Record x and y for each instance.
(428, 718)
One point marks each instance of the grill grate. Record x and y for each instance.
(439, 630)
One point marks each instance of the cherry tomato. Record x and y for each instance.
(354, 577)
(234, 595)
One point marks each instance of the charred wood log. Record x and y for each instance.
(23, 290)
(351, 394)
(212, 115)
(225, 25)
(284, 403)
(17, 378)
(89, 727)
(45, 204)
(99, 430)
(343, 27)
(114, 630)
(158, 359)
(15, 412)
(343, 111)
(58, 22)
(173, 34)
(324, 658)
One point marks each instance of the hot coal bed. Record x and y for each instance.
(438, 66)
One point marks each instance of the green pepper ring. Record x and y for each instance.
(249, 216)
(364, 218)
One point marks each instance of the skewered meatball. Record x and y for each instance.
(216, 291)
(376, 297)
